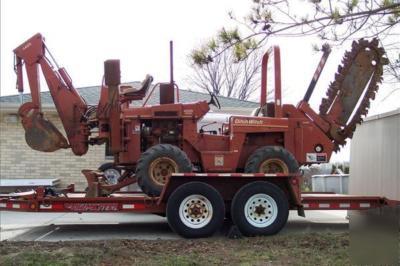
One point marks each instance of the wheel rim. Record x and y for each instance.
(195, 211)
(112, 175)
(273, 166)
(161, 168)
(261, 210)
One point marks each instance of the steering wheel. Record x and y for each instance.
(214, 100)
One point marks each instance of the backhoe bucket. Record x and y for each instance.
(41, 134)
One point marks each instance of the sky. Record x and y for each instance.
(83, 34)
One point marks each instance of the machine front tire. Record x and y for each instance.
(195, 209)
(260, 208)
(157, 163)
(271, 160)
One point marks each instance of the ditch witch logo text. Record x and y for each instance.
(245, 121)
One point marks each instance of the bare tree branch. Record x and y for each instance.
(227, 77)
(336, 21)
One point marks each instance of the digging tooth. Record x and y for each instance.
(385, 61)
(372, 96)
(364, 112)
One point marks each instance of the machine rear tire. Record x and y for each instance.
(260, 208)
(195, 209)
(157, 163)
(271, 159)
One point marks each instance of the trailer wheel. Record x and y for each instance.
(111, 173)
(271, 160)
(157, 163)
(260, 208)
(195, 210)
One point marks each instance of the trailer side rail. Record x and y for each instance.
(341, 202)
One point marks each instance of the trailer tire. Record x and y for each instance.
(271, 159)
(260, 208)
(157, 163)
(195, 209)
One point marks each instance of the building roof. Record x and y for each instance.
(92, 95)
(383, 115)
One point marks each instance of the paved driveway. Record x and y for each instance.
(19, 226)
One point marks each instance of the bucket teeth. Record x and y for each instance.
(340, 93)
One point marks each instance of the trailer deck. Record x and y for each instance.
(139, 202)
(196, 204)
(131, 201)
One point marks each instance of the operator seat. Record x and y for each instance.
(136, 93)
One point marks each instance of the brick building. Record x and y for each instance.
(18, 160)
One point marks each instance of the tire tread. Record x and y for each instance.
(269, 152)
(180, 157)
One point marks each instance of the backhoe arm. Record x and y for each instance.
(41, 134)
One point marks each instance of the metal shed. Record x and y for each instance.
(375, 156)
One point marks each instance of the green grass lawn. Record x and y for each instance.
(294, 249)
